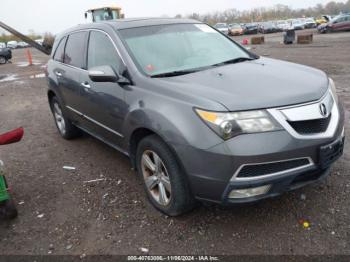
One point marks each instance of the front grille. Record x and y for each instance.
(311, 126)
(271, 168)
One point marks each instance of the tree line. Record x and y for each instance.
(277, 12)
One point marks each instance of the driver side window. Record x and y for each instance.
(101, 52)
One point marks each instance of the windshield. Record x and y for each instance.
(168, 48)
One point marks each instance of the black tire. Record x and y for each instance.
(8, 210)
(3, 60)
(70, 131)
(181, 199)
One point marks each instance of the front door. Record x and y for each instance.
(104, 105)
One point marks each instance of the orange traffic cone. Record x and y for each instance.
(29, 56)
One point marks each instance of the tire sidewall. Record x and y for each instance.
(71, 131)
(53, 101)
(2, 60)
(178, 185)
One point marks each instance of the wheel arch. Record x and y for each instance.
(50, 95)
(140, 133)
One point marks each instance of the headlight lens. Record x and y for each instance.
(333, 89)
(228, 125)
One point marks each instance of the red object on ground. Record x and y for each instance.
(12, 137)
(245, 41)
(30, 58)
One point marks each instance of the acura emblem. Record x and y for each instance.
(323, 110)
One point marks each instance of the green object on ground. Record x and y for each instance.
(3, 188)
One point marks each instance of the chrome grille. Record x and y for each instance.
(311, 126)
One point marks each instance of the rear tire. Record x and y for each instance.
(3, 60)
(65, 127)
(166, 186)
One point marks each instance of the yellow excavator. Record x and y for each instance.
(104, 13)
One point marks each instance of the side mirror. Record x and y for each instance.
(107, 74)
(103, 74)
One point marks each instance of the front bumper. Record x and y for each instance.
(211, 171)
(287, 181)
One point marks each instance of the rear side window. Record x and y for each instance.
(59, 54)
(101, 52)
(75, 50)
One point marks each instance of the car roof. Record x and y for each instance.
(120, 24)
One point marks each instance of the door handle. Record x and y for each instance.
(86, 85)
(58, 73)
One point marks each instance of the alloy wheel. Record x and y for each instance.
(156, 177)
(61, 124)
(2, 60)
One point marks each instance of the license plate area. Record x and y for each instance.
(330, 153)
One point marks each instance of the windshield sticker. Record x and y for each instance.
(205, 28)
(150, 68)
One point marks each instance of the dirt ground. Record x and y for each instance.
(60, 214)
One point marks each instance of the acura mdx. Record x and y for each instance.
(201, 118)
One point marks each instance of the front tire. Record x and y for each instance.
(65, 127)
(164, 181)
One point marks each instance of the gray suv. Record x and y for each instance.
(200, 117)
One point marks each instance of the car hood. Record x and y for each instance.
(261, 83)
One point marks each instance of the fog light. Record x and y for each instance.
(249, 192)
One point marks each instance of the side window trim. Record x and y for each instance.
(88, 31)
(84, 67)
(64, 48)
(109, 38)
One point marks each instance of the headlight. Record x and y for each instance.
(333, 89)
(228, 125)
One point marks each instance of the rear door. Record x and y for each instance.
(104, 105)
(70, 70)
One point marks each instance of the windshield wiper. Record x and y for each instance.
(235, 61)
(175, 73)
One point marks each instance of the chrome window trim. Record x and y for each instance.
(89, 30)
(94, 121)
(236, 178)
(278, 114)
(110, 38)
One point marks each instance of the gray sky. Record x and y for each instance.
(55, 16)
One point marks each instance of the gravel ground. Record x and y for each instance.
(60, 214)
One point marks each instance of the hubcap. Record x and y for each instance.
(61, 124)
(156, 177)
(2, 60)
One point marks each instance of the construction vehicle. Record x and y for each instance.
(46, 49)
(92, 15)
(104, 13)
